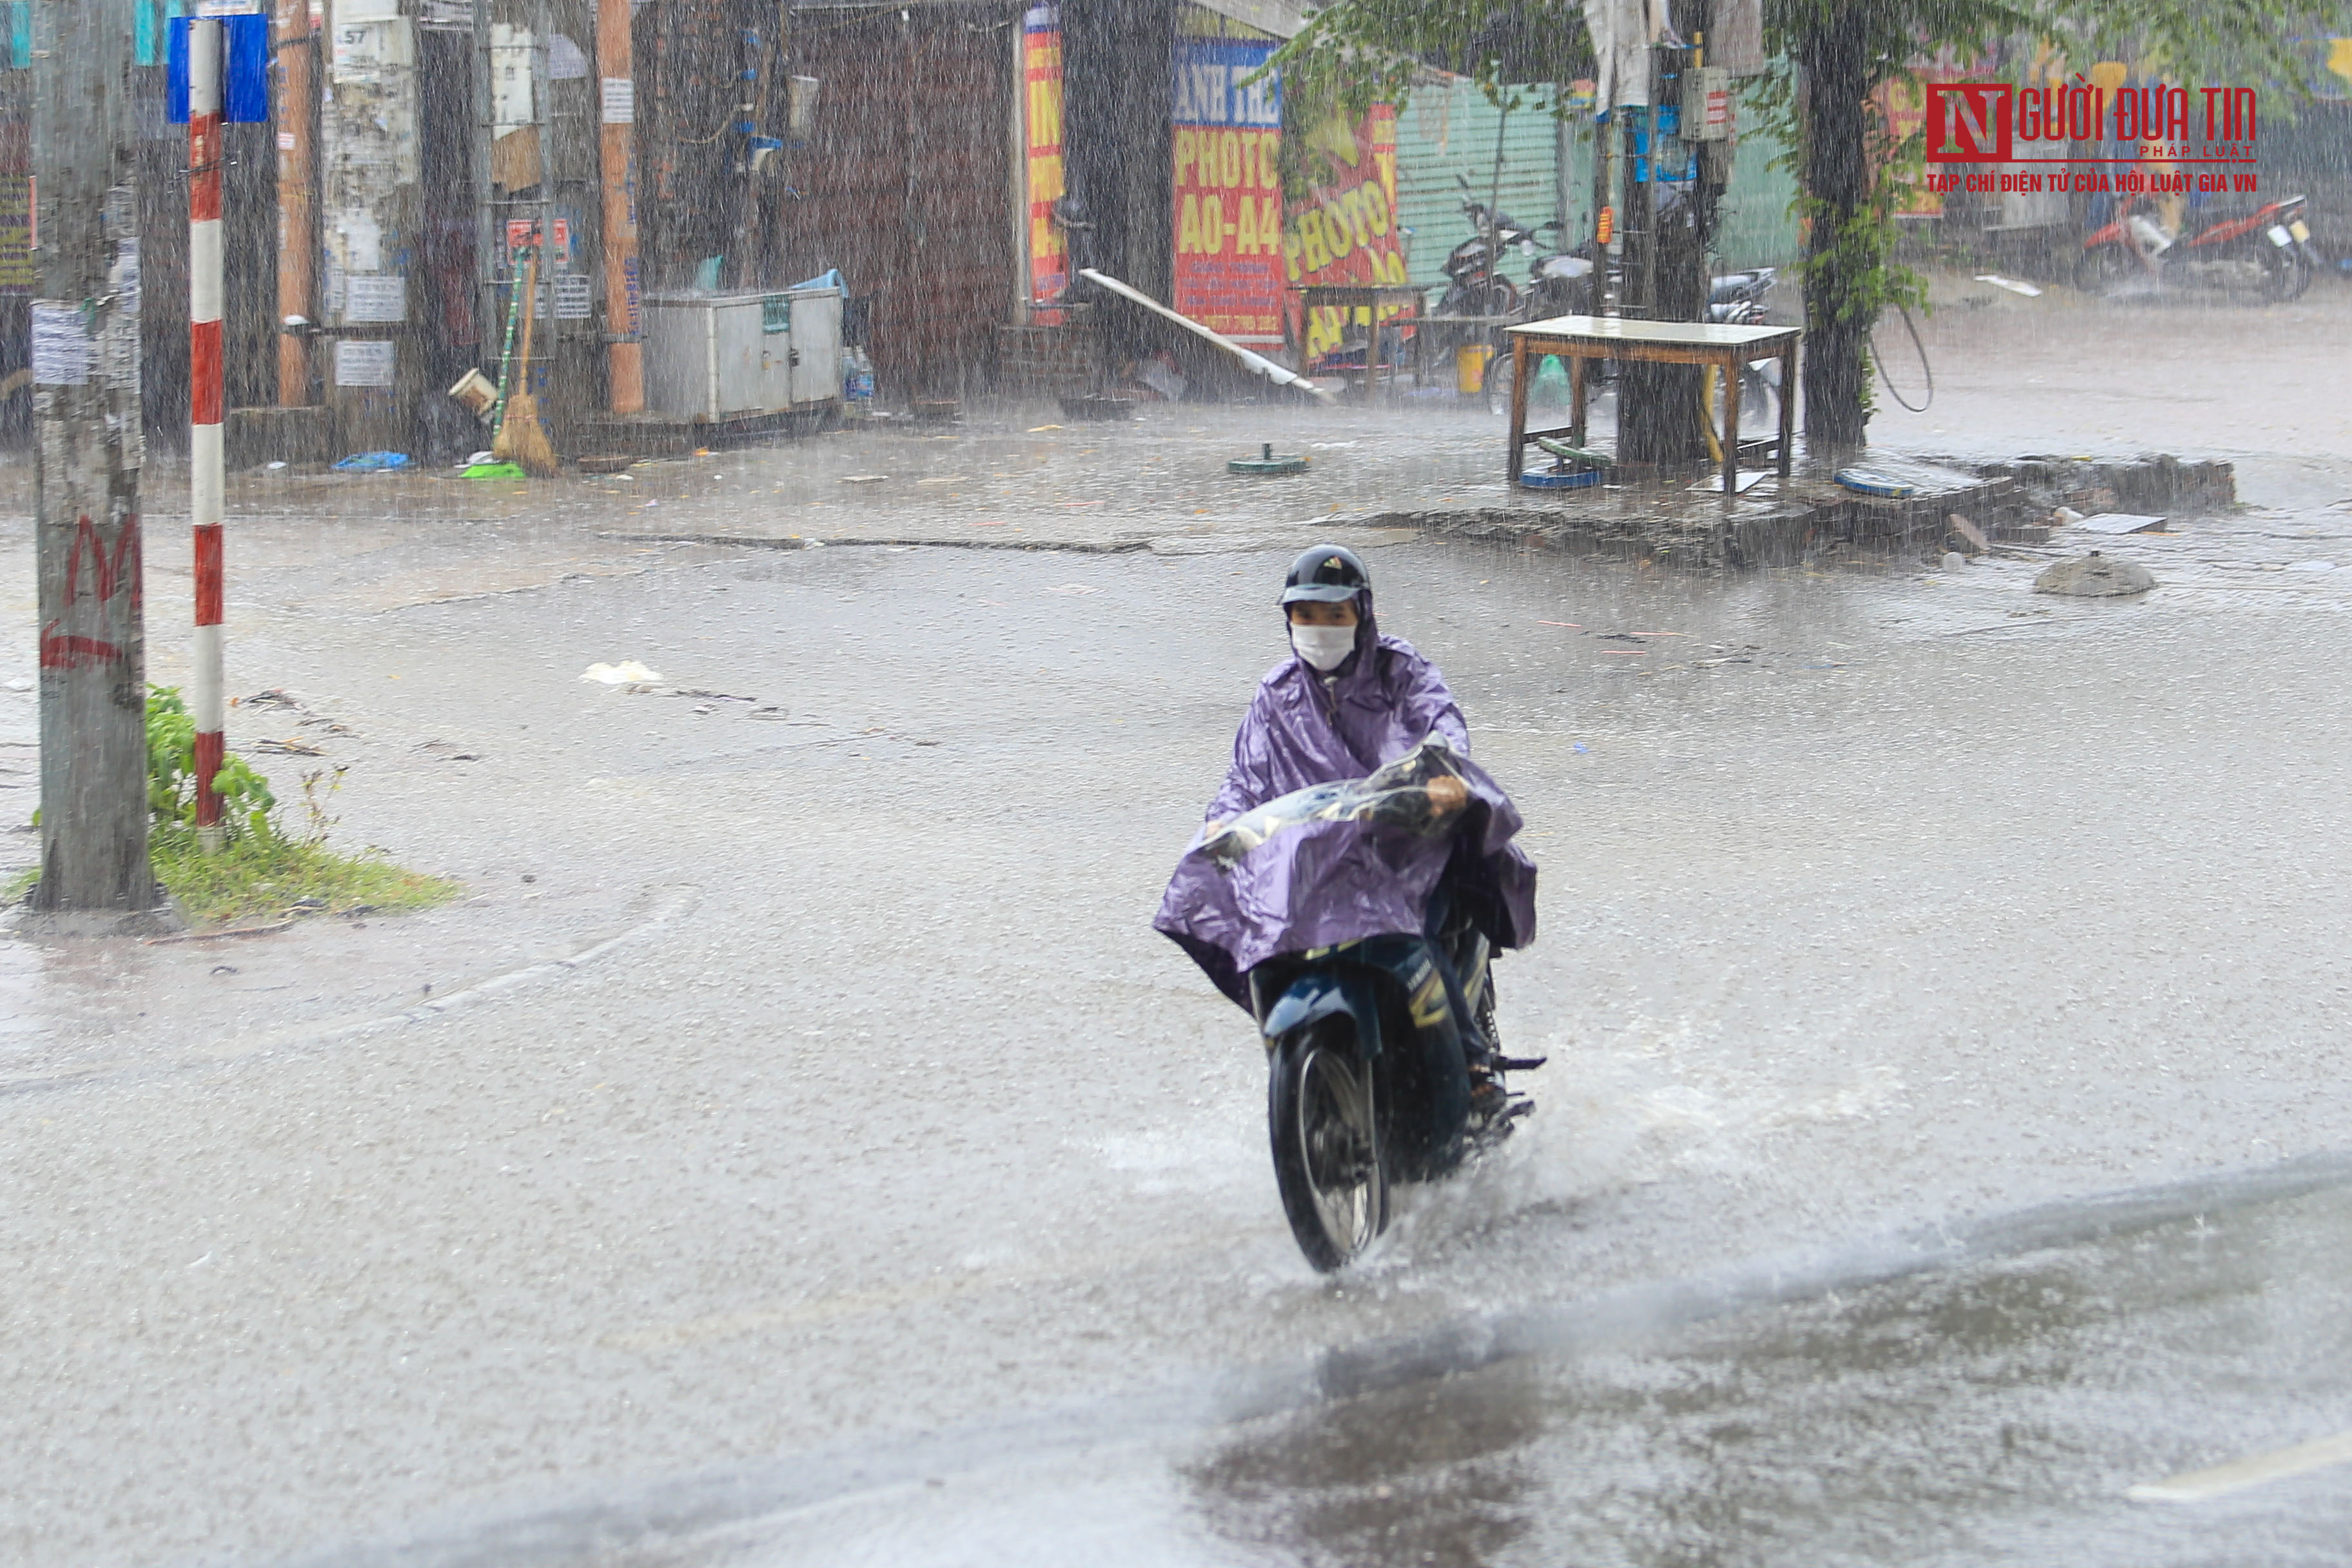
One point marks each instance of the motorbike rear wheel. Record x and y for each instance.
(1327, 1144)
(2105, 269)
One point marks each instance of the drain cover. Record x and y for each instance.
(1266, 462)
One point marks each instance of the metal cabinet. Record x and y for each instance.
(732, 356)
(815, 368)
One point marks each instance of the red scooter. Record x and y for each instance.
(2266, 253)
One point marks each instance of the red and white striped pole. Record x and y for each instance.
(205, 463)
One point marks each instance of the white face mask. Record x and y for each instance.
(1325, 647)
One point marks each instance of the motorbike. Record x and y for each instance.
(1475, 284)
(2266, 253)
(1382, 1056)
(1742, 299)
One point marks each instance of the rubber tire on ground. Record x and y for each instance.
(2284, 276)
(1294, 1091)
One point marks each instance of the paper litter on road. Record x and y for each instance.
(2012, 284)
(628, 672)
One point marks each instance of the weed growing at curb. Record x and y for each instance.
(274, 875)
(261, 869)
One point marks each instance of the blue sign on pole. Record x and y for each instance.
(176, 72)
(245, 70)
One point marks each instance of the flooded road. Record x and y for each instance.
(800, 1088)
(2012, 1393)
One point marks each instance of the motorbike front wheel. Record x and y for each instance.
(1548, 396)
(1326, 1145)
(2285, 275)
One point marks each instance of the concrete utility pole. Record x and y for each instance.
(617, 114)
(369, 157)
(297, 248)
(86, 412)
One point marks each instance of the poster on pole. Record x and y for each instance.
(367, 361)
(1041, 119)
(375, 297)
(1228, 188)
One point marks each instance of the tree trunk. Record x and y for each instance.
(1832, 53)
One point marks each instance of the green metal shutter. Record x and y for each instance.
(1449, 131)
(1753, 225)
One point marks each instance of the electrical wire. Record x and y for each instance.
(1880, 360)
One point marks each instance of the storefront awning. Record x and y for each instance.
(1279, 17)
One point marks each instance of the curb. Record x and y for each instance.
(1804, 519)
(799, 542)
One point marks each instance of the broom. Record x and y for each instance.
(521, 438)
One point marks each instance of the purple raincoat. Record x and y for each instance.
(1331, 882)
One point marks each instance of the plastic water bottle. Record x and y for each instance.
(856, 380)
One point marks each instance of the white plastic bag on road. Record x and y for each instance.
(628, 672)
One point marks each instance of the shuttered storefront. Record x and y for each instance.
(1449, 131)
(906, 186)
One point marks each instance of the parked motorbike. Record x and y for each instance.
(2266, 253)
(1475, 284)
(1742, 299)
(1381, 1050)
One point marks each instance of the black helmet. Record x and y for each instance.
(1328, 573)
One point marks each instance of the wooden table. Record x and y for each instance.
(1372, 297)
(1580, 338)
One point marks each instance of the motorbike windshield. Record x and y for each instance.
(1339, 862)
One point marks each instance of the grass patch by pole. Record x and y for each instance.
(254, 874)
(261, 869)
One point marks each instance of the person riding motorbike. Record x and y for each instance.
(1394, 695)
(1347, 701)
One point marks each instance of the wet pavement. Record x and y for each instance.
(2014, 1394)
(801, 1097)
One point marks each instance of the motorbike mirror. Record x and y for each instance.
(1463, 181)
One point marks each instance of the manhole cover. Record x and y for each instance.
(1267, 463)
